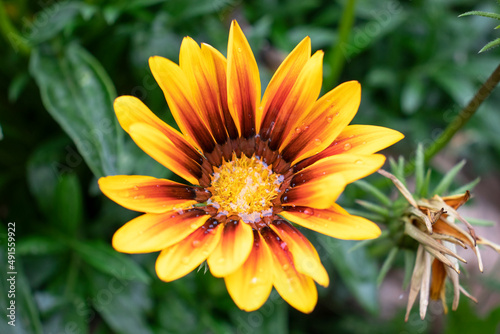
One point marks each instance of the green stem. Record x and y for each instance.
(463, 117)
(10, 33)
(338, 58)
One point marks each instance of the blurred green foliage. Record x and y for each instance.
(63, 63)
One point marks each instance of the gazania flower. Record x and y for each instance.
(431, 222)
(256, 167)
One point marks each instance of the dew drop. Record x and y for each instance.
(221, 260)
(297, 130)
(285, 266)
(347, 146)
(136, 188)
(359, 161)
(309, 211)
(194, 226)
(195, 243)
(317, 141)
(185, 259)
(254, 280)
(329, 119)
(239, 49)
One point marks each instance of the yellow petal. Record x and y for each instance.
(304, 93)
(153, 232)
(130, 110)
(179, 96)
(320, 192)
(352, 167)
(149, 194)
(181, 258)
(305, 257)
(334, 222)
(329, 116)
(251, 284)
(243, 81)
(280, 86)
(160, 148)
(297, 289)
(232, 250)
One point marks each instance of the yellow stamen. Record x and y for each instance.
(244, 187)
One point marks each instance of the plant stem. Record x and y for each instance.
(463, 117)
(337, 58)
(10, 33)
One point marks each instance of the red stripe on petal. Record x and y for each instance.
(179, 95)
(181, 258)
(243, 81)
(281, 84)
(297, 289)
(153, 232)
(305, 257)
(149, 194)
(160, 148)
(232, 250)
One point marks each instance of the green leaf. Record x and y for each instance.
(371, 189)
(52, 20)
(490, 45)
(357, 270)
(447, 179)
(413, 95)
(68, 204)
(79, 95)
(27, 319)
(384, 212)
(481, 13)
(469, 186)
(419, 170)
(480, 222)
(104, 258)
(122, 304)
(39, 245)
(386, 266)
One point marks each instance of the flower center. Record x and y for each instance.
(244, 187)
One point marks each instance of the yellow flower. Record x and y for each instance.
(255, 165)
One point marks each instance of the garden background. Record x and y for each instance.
(63, 63)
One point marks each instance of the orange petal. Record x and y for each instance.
(352, 167)
(130, 110)
(457, 201)
(319, 193)
(305, 257)
(232, 250)
(217, 61)
(251, 284)
(243, 81)
(179, 96)
(149, 194)
(201, 75)
(304, 93)
(297, 289)
(280, 86)
(160, 148)
(357, 139)
(153, 232)
(181, 258)
(334, 222)
(328, 117)
(437, 280)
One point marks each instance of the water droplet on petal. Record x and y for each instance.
(359, 161)
(317, 141)
(285, 266)
(185, 259)
(329, 119)
(195, 243)
(136, 188)
(221, 260)
(347, 146)
(309, 211)
(194, 226)
(239, 49)
(297, 130)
